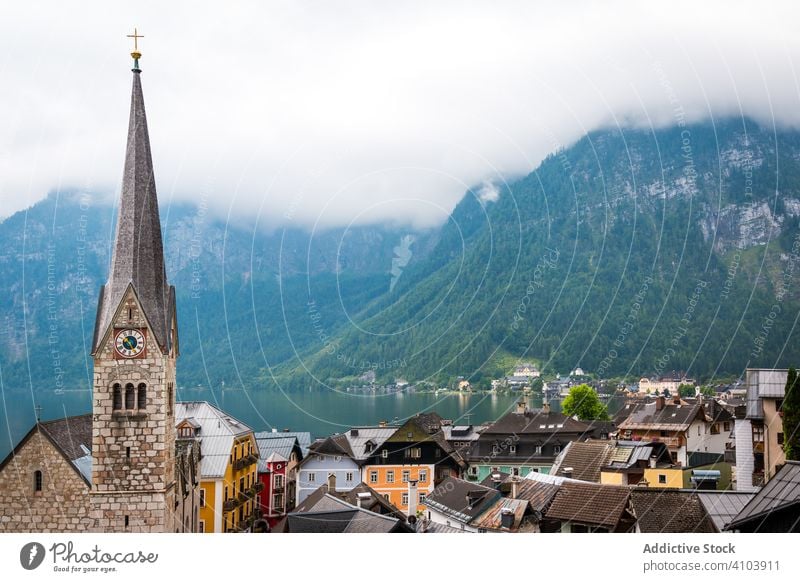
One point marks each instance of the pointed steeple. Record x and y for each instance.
(138, 258)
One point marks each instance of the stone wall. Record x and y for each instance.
(63, 503)
(133, 450)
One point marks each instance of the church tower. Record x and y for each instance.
(134, 349)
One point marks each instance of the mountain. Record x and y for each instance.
(631, 252)
(246, 298)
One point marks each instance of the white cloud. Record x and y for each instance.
(488, 192)
(328, 112)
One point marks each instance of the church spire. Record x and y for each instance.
(138, 255)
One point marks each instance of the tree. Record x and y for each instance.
(791, 417)
(686, 390)
(583, 402)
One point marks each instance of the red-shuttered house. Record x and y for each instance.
(277, 471)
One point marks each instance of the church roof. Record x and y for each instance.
(138, 255)
(71, 436)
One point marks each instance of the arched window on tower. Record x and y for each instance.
(117, 397)
(130, 397)
(38, 480)
(142, 396)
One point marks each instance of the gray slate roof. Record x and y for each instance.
(763, 383)
(217, 434)
(281, 447)
(303, 438)
(461, 499)
(138, 256)
(673, 417)
(723, 506)
(780, 492)
(353, 520)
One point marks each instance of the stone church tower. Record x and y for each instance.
(135, 347)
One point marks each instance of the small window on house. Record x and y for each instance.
(556, 449)
(512, 449)
(128, 452)
(698, 430)
(373, 476)
(202, 498)
(410, 435)
(662, 479)
(142, 396)
(278, 481)
(423, 476)
(515, 471)
(170, 398)
(726, 426)
(117, 397)
(348, 476)
(202, 528)
(127, 521)
(385, 453)
(390, 476)
(404, 499)
(406, 476)
(130, 402)
(538, 449)
(422, 498)
(38, 479)
(312, 477)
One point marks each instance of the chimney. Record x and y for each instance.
(514, 487)
(274, 430)
(506, 518)
(362, 497)
(653, 460)
(676, 399)
(660, 403)
(522, 406)
(383, 423)
(567, 472)
(412, 498)
(546, 407)
(496, 478)
(331, 482)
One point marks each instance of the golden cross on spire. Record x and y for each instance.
(135, 36)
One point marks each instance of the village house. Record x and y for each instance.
(416, 452)
(759, 431)
(228, 477)
(522, 441)
(474, 507)
(341, 455)
(279, 457)
(683, 425)
(610, 462)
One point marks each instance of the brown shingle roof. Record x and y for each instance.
(589, 503)
(665, 511)
(586, 459)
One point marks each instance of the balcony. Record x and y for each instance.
(244, 462)
(671, 442)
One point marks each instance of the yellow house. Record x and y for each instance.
(228, 479)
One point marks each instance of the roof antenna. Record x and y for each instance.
(38, 410)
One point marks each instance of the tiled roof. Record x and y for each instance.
(538, 494)
(322, 499)
(589, 504)
(673, 417)
(461, 499)
(353, 520)
(536, 422)
(780, 492)
(492, 517)
(669, 511)
(218, 431)
(585, 459)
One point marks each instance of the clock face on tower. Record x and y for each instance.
(129, 343)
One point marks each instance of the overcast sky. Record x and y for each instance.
(329, 112)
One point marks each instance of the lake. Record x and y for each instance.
(320, 412)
